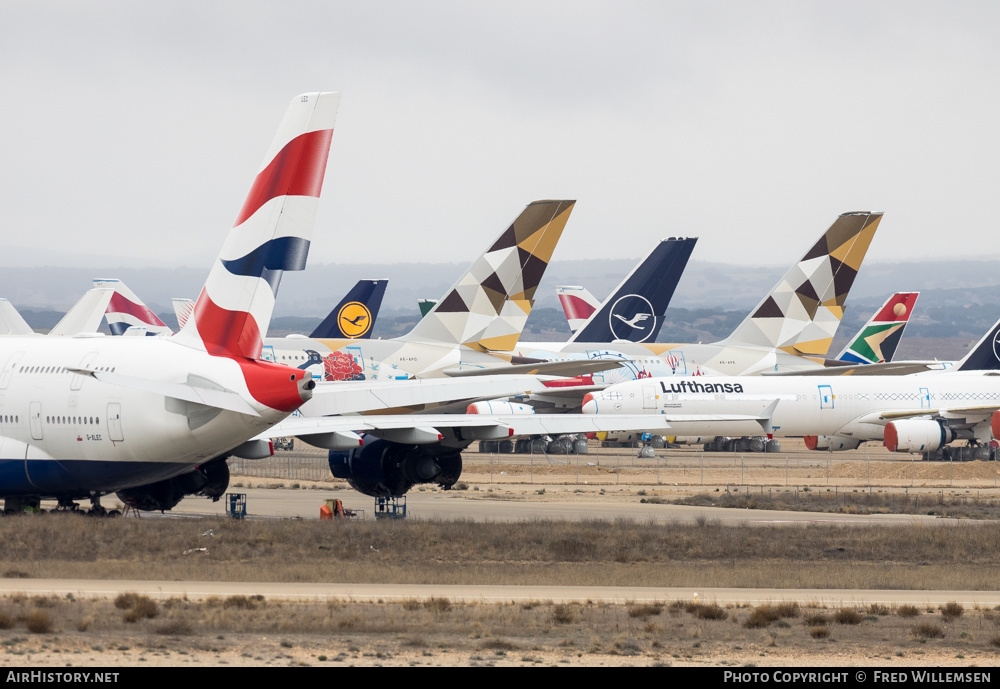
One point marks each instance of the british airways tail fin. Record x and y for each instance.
(578, 304)
(183, 308)
(271, 234)
(354, 317)
(985, 356)
(489, 305)
(801, 313)
(634, 311)
(126, 310)
(877, 341)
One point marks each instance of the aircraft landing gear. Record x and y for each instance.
(97, 510)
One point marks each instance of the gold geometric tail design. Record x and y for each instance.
(801, 314)
(489, 305)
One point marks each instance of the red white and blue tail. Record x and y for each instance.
(126, 310)
(271, 234)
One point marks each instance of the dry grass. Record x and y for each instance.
(620, 553)
(542, 632)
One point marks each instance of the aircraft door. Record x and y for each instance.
(35, 419)
(8, 369)
(925, 398)
(826, 397)
(648, 397)
(115, 422)
(267, 353)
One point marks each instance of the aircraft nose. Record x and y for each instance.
(589, 404)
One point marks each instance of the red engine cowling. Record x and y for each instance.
(832, 443)
(917, 435)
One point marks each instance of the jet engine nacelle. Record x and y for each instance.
(687, 439)
(210, 479)
(382, 468)
(499, 407)
(918, 435)
(832, 443)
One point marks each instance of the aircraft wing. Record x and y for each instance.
(562, 367)
(429, 428)
(221, 399)
(893, 368)
(354, 397)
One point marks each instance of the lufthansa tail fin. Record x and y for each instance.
(877, 341)
(801, 314)
(354, 317)
(634, 311)
(271, 234)
(985, 356)
(126, 310)
(578, 304)
(489, 305)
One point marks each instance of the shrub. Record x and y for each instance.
(878, 609)
(952, 610)
(710, 612)
(39, 622)
(847, 616)
(564, 613)
(907, 611)
(819, 632)
(817, 619)
(645, 610)
(762, 616)
(927, 630)
(143, 607)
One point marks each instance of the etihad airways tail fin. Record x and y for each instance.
(489, 305)
(801, 313)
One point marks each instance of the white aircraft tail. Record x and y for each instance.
(271, 234)
(801, 314)
(86, 314)
(11, 322)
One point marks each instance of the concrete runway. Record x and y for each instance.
(196, 590)
(475, 505)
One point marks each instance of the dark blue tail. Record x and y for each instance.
(985, 356)
(635, 310)
(354, 317)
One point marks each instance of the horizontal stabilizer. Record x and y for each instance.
(220, 399)
(565, 367)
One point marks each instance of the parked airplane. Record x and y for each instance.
(84, 416)
(915, 413)
(125, 310)
(485, 310)
(791, 329)
(876, 342)
(11, 322)
(578, 304)
(354, 317)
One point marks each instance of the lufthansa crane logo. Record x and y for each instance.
(354, 319)
(996, 344)
(632, 318)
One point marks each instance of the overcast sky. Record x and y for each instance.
(130, 131)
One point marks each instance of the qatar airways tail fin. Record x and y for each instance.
(801, 314)
(634, 311)
(877, 341)
(271, 234)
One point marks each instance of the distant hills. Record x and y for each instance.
(959, 299)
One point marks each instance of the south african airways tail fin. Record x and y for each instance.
(272, 234)
(801, 313)
(489, 305)
(877, 341)
(634, 311)
(354, 317)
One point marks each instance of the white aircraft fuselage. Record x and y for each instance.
(66, 434)
(843, 406)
